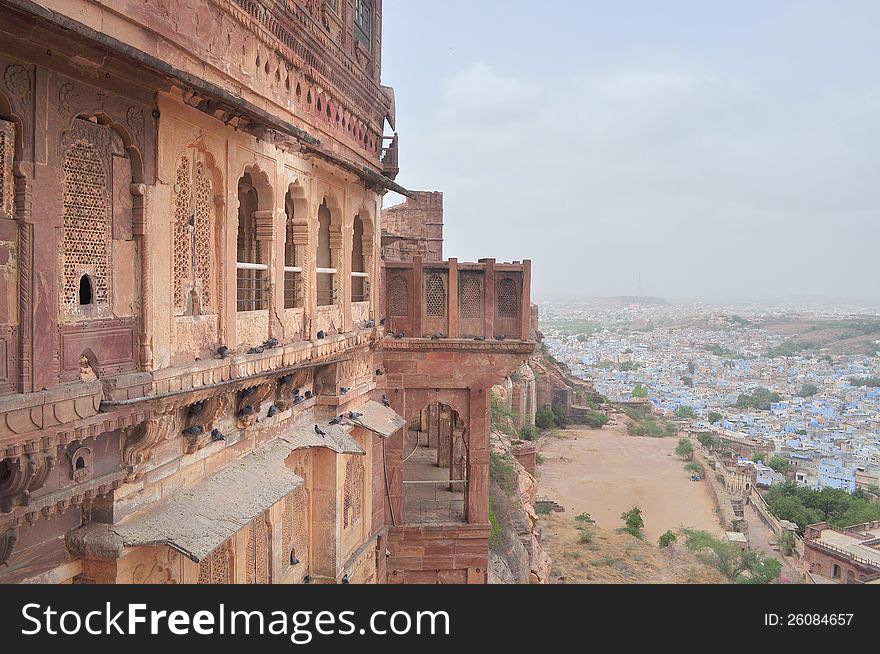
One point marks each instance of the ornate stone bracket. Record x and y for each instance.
(8, 539)
(139, 441)
(22, 475)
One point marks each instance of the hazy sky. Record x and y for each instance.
(721, 149)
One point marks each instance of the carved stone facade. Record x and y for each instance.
(193, 283)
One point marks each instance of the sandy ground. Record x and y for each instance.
(606, 472)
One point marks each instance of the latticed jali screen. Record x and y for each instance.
(470, 302)
(217, 568)
(258, 554)
(353, 492)
(295, 526)
(193, 232)
(398, 297)
(435, 296)
(507, 298)
(87, 209)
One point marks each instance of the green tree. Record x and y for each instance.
(685, 413)
(809, 390)
(706, 439)
(695, 467)
(714, 417)
(634, 522)
(640, 391)
(738, 565)
(780, 464)
(684, 449)
(667, 539)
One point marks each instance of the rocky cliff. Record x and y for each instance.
(516, 555)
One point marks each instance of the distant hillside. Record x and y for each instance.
(626, 300)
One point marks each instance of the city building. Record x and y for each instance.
(842, 556)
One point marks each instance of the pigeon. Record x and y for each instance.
(321, 335)
(222, 351)
(379, 372)
(319, 431)
(271, 344)
(286, 379)
(249, 391)
(196, 409)
(344, 391)
(400, 335)
(354, 415)
(480, 338)
(256, 350)
(371, 324)
(345, 579)
(382, 322)
(293, 559)
(309, 395)
(217, 435)
(438, 336)
(245, 412)
(385, 401)
(273, 411)
(194, 431)
(298, 399)
(500, 337)
(336, 421)
(307, 579)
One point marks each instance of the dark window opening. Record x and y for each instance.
(85, 290)
(80, 463)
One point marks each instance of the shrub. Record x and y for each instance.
(667, 539)
(695, 467)
(528, 432)
(596, 419)
(634, 522)
(584, 518)
(544, 419)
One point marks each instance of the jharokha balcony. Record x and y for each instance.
(448, 304)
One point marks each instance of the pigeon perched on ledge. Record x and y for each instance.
(256, 350)
(319, 431)
(273, 411)
(321, 335)
(385, 401)
(194, 431)
(222, 351)
(336, 421)
(437, 337)
(354, 415)
(246, 412)
(217, 435)
(344, 391)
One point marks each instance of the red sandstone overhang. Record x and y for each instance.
(379, 419)
(214, 97)
(197, 521)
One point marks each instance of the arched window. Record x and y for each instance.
(87, 209)
(359, 275)
(193, 248)
(253, 273)
(398, 297)
(470, 301)
(326, 270)
(435, 297)
(292, 265)
(508, 300)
